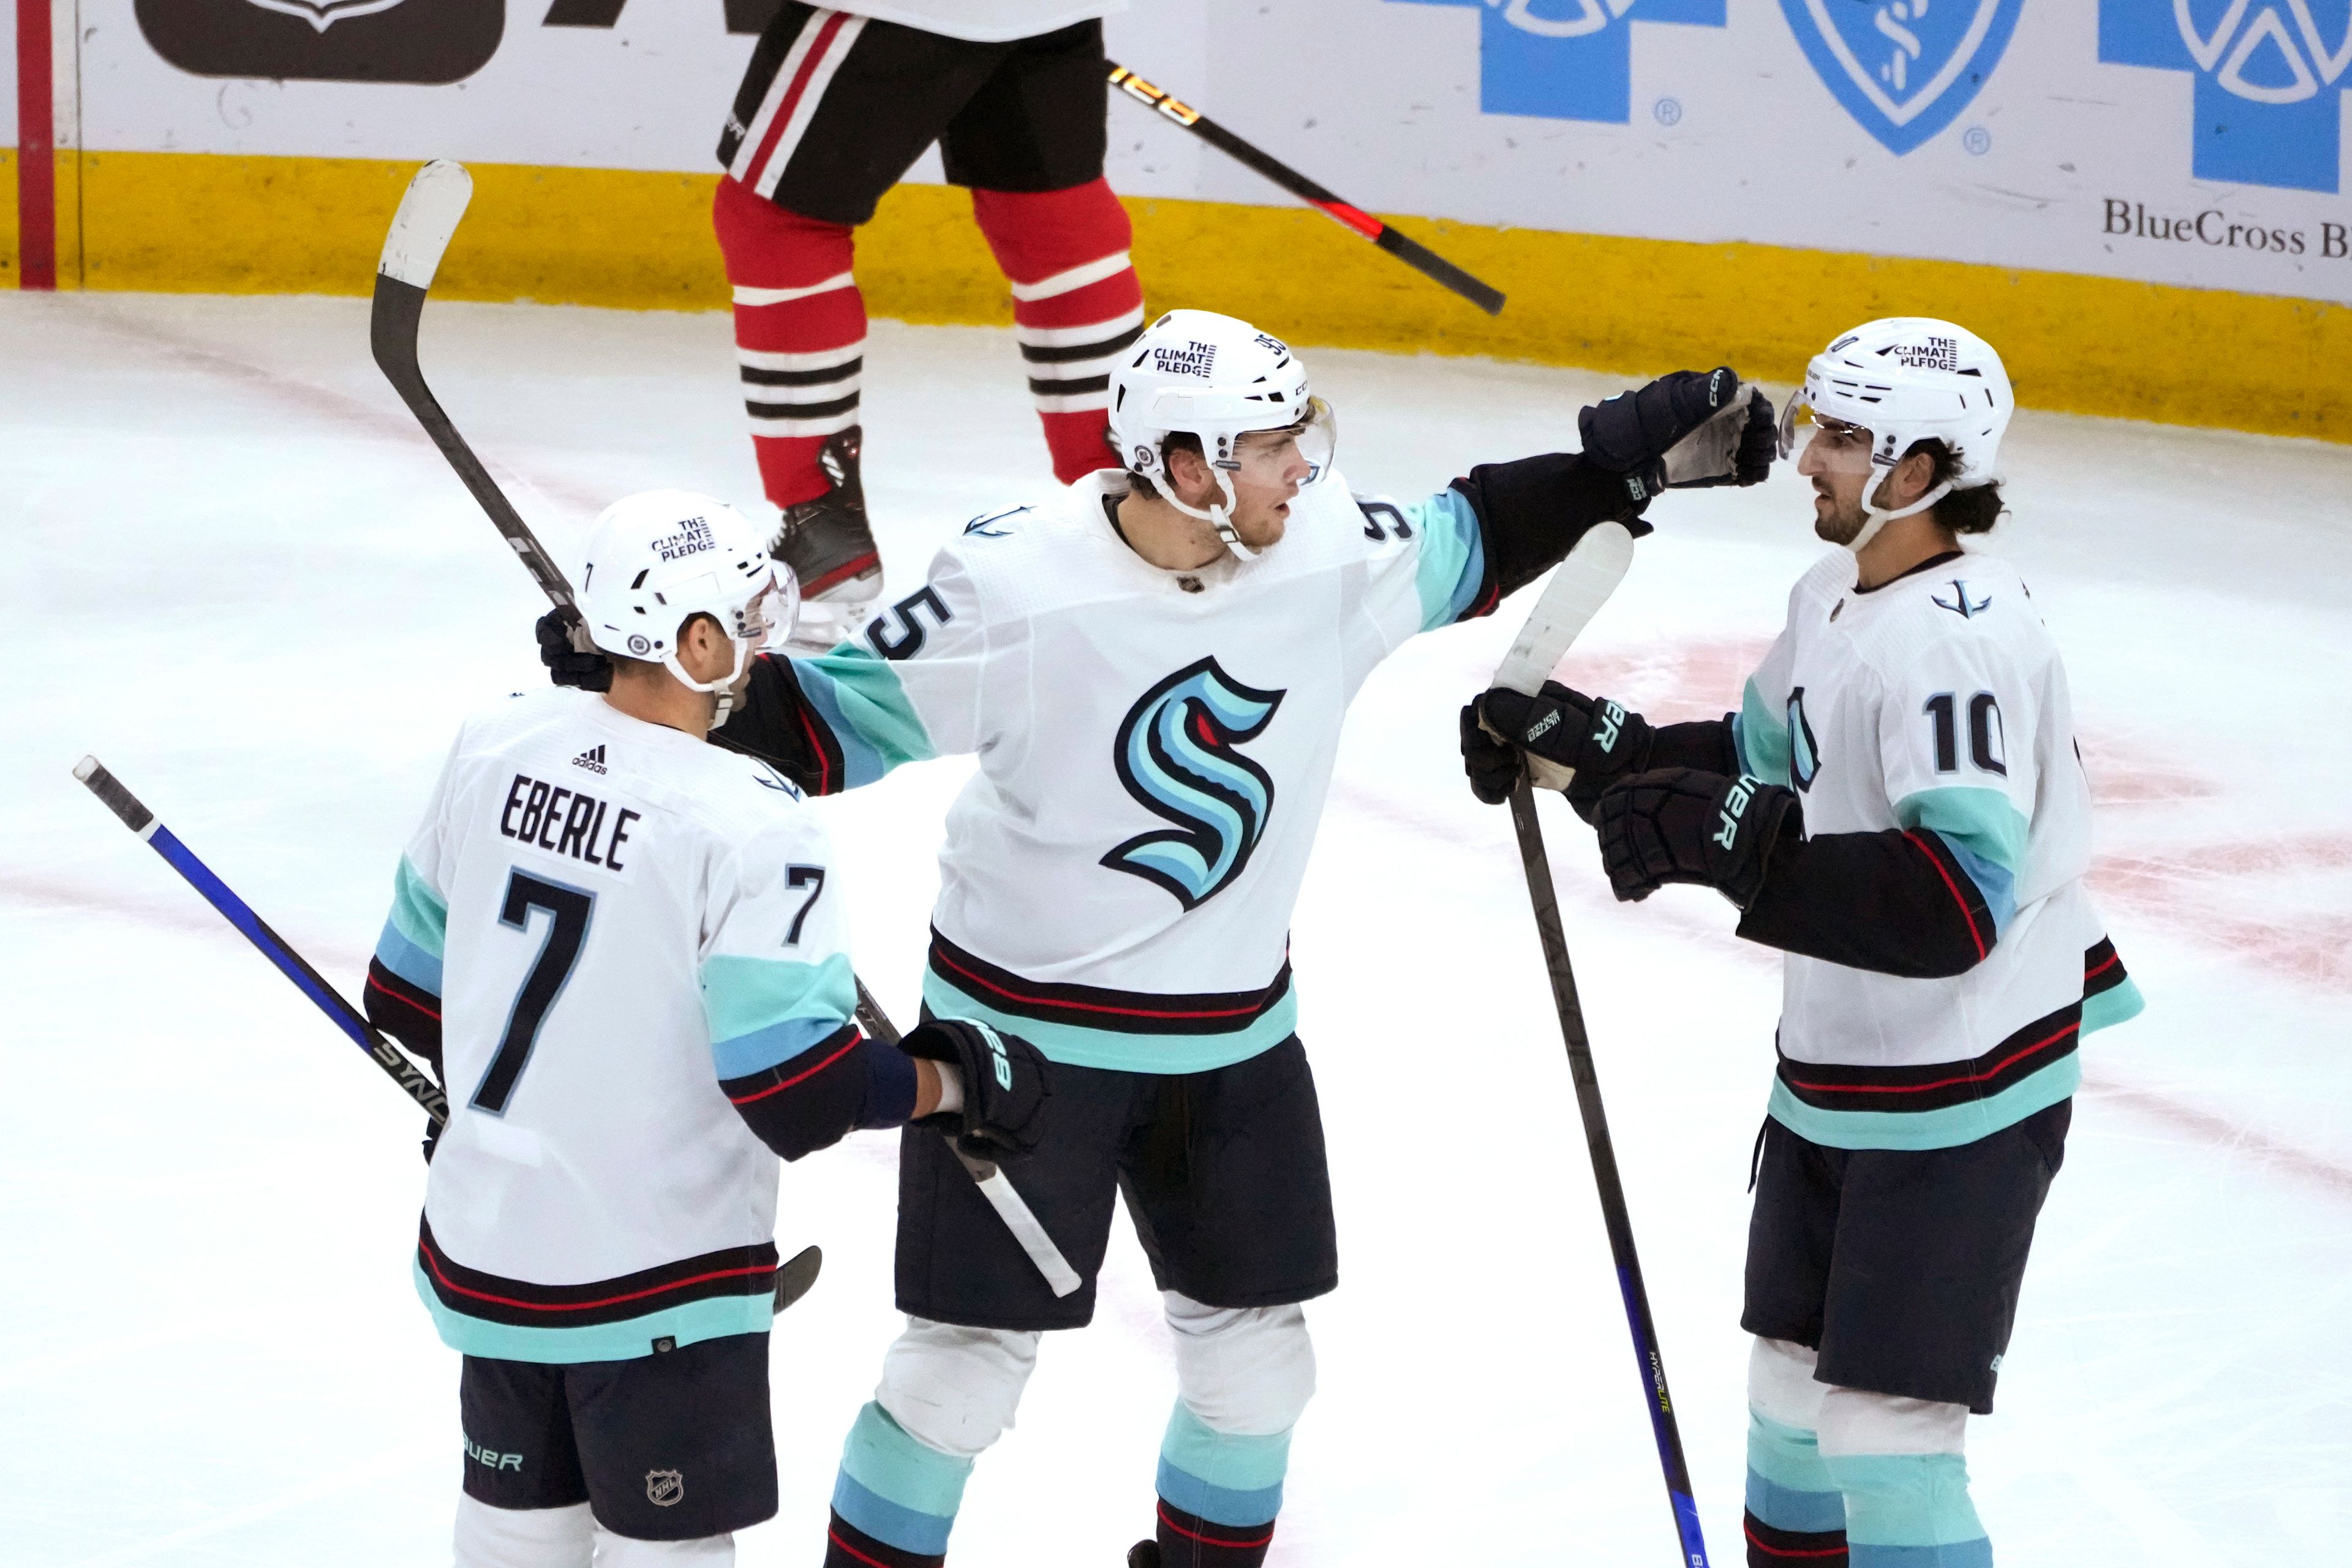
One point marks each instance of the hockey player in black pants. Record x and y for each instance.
(1899, 807)
(1152, 667)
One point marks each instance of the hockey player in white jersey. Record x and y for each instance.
(1899, 807)
(623, 950)
(1152, 667)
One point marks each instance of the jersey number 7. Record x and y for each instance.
(567, 932)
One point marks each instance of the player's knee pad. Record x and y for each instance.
(955, 1389)
(1248, 1370)
(1780, 1386)
(1855, 1422)
(705, 1551)
(490, 1537)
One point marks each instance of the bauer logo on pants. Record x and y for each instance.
(1176, 756)
(1904, 68)
(423, 43)
(664, 1488)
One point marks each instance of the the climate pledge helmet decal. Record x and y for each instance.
(1176, 755)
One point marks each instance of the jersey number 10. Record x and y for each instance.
(1985, 740)
(567, 932)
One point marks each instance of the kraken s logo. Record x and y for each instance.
(1176, 756)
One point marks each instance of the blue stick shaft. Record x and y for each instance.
(135, 815)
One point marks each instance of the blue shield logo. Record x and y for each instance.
(1904, 68)
(2271, 76)
(1176, 756)
(1567, 60)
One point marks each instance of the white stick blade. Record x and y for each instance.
(1060, 1277)
(1579, 586)
(428, 216)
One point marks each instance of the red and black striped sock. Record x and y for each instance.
(1188, 1541)
(1768, 1547)
(846, 1546)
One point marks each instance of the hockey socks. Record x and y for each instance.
(1075, 305)
(800, 335)
(896, 1499)
(1909, 1511)
(1796, 1515)
(1218, 1493)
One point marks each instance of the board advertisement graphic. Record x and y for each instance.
(424, 42)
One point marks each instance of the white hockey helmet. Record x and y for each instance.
(1217, 379)
(660, 556)
(1902, 380)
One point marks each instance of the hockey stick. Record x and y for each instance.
(1009, 1204)
(1578, 588)
(1419, 257)
(135, 817)
(430, 211)
(793, 1278)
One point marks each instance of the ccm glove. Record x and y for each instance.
(567, 665)
(1006, 1083)
(1679, 824)
(1572, 742)
(1689, 429)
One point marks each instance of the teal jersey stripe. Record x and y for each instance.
(1762, 737)
(1452, 561)
(690, 1323)
(764, 1011)
(406, 959)
(2112, 1005)
(861, 699)
(1981, 820)
(1946, 1128)
(1994, 881)
(881, 1457)
(1113, 1050)
(418, 912)
(1907, 1499)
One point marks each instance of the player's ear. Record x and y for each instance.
(1912, 476)
(1188, 471)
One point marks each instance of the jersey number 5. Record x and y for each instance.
(567, 931)
(1986, 742)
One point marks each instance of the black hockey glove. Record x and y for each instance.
(1689, 429)
(566, 664)
(1679, 824)
(1574, 744)
(1005, 1082)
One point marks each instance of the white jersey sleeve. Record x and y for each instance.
(775, 971)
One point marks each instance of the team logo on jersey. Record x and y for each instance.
(1960, 604)
(1176, 756)
(1903, 68)
(664, 1488)
(984, 527)
(1804, 753)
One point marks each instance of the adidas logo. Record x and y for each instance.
(593, 759)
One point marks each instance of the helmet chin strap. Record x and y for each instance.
(1875, 517)
(1220, 517)
(725, 688)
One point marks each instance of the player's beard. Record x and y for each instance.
(1838, 525)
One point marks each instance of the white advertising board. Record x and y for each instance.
(2201, 143)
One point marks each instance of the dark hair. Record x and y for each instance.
(1175, 441)
(1971, 511)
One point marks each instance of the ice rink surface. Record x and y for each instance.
(239, 574)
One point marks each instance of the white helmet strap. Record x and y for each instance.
(724, 687)
(1875, 517)
(1219, 516)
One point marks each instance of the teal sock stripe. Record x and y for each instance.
(896, 1490)
(1224, 1477)
(1789, 1487)
(1977, 1553)
(1910, 1502)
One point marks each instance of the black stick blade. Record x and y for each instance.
(796, 1276)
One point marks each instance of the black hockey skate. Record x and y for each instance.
(1143, 1554)
(830, 548)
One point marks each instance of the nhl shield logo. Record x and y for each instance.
(664, 1488)
(1903, 68)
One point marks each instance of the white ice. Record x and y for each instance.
(237, 573)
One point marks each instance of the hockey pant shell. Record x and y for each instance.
(1881, 1475)
(949, 1391)
(567, 1537)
